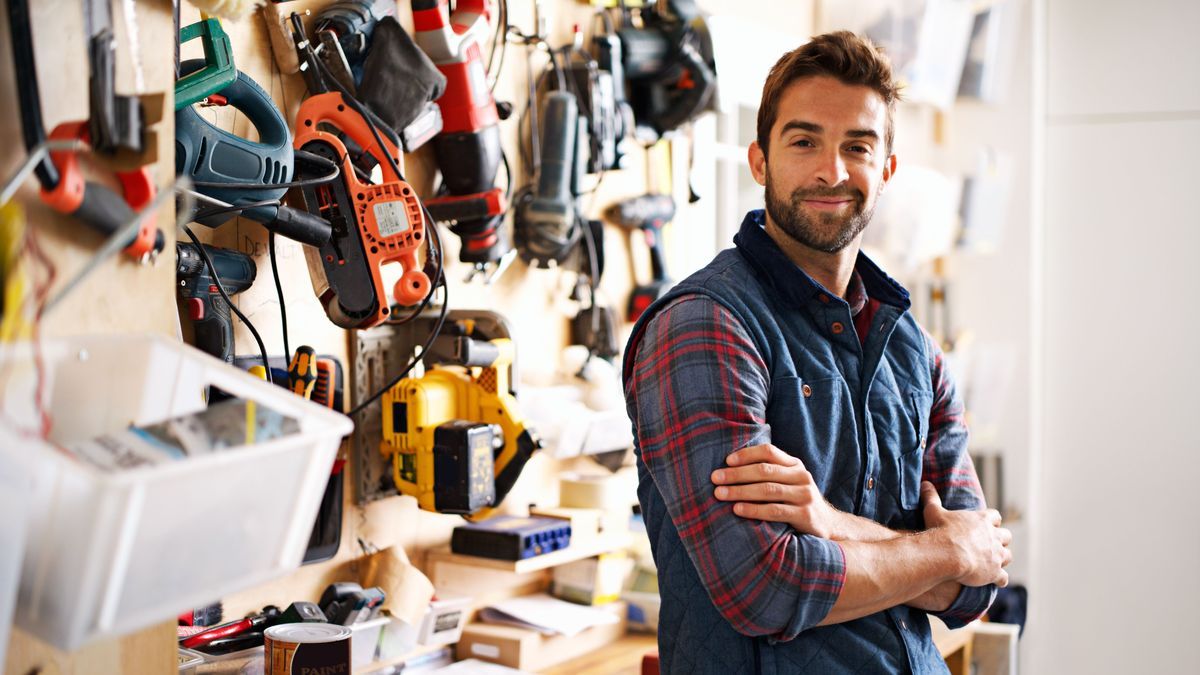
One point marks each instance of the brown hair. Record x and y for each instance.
(842, 55)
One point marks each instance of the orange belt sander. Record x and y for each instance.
(373, 224)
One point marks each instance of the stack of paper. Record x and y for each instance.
(547, 615)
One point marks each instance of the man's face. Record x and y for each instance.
(828, 162)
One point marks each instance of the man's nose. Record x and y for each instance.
(831, 169)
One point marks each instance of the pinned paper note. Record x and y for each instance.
(408, 590)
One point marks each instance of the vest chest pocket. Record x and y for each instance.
(912, 458)
(807, 420)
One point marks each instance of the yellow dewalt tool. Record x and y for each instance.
(455, 435)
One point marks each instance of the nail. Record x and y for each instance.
(722, 492)
(718, 476)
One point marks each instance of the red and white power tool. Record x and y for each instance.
(468, 149)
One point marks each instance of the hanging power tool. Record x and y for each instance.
(365, 49)
(456, 435)
(64, 187)
(372, 224)
(546, 224)
(229, 169)
(669, 67)
(212, 323)
(600, 82)
(343, 36)
(468, 149)
(648, 213)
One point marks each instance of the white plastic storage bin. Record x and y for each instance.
(110, 553)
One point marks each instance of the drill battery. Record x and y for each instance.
(463, 457)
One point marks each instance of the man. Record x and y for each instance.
(803, 469)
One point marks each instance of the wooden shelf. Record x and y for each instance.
(413, 653)
(604, 543)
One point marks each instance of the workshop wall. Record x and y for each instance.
(534, 300)
(122, 296)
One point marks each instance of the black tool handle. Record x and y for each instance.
(214, 333)
(658, 263)
(106, 212)
(506, 477)
(302, 226)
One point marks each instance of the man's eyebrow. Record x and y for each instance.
(802, 125)
(818, 129)
(863, 133)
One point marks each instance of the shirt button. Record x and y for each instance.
(870, 482)
(837, 328)
(806, 390)
(922, 442)
(903, 626)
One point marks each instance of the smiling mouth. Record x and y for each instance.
(828, 204)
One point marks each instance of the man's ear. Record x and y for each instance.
(758, 163)
(889, 169)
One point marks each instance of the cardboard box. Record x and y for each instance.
(527, 649)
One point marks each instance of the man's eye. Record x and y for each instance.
(860, 148)
(802, 143)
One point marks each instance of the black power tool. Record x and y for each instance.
(206, 308)
(234, 170)
(668, 66)
(647, 213)
(546, 223)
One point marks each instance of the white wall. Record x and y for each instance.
(1118, 544)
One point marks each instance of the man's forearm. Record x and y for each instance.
(857, 528)
(883, 574)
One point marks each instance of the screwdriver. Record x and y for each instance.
(302, 371)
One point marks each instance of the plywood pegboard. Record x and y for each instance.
(122, 296)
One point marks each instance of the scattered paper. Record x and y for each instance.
(477, 667)
(547, 615)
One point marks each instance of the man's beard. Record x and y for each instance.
(828, 232)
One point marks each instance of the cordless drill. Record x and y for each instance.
(647, 213)
(206, 308)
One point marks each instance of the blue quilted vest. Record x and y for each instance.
(860, 432)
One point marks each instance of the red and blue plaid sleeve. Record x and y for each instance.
(697, 391)
(948, 466)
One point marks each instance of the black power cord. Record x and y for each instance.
(287, 350)
(222, 210)
(212, 270)
(437, 329)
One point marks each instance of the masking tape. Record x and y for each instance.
(591, 491)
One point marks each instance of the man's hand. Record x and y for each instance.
(980, 543)
(766, 483)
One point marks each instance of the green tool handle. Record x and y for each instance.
(218, 71)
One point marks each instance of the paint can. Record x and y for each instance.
(307, 649)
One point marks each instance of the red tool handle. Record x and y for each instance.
(95, 204)
(223, 631)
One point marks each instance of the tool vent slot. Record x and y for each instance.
(200, 157)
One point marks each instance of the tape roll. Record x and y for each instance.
(591, 491)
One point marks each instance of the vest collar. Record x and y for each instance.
(794, 284)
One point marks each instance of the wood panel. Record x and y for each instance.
(122, 296)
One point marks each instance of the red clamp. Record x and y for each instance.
(68, 196)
